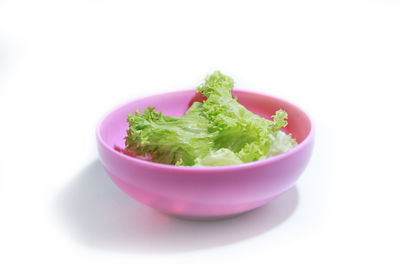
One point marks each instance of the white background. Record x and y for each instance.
(63, 64)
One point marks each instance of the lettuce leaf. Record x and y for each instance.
(217, 132)
(220, 157)
(169, 140)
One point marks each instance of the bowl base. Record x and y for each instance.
(212, 217)
(206, 218)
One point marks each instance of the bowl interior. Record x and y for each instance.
(113, 128)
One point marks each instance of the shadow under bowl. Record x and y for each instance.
(204, 192)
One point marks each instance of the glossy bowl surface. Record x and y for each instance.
(207, 192)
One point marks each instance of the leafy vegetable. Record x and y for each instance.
(170, 140)
(219, 131)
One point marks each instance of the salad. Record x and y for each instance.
(219, 131)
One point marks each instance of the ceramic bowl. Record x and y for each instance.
(204, 192)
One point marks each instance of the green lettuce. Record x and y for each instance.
(217, 132)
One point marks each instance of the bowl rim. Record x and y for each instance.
(307, 140)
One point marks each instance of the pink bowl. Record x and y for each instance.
(208, 192)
